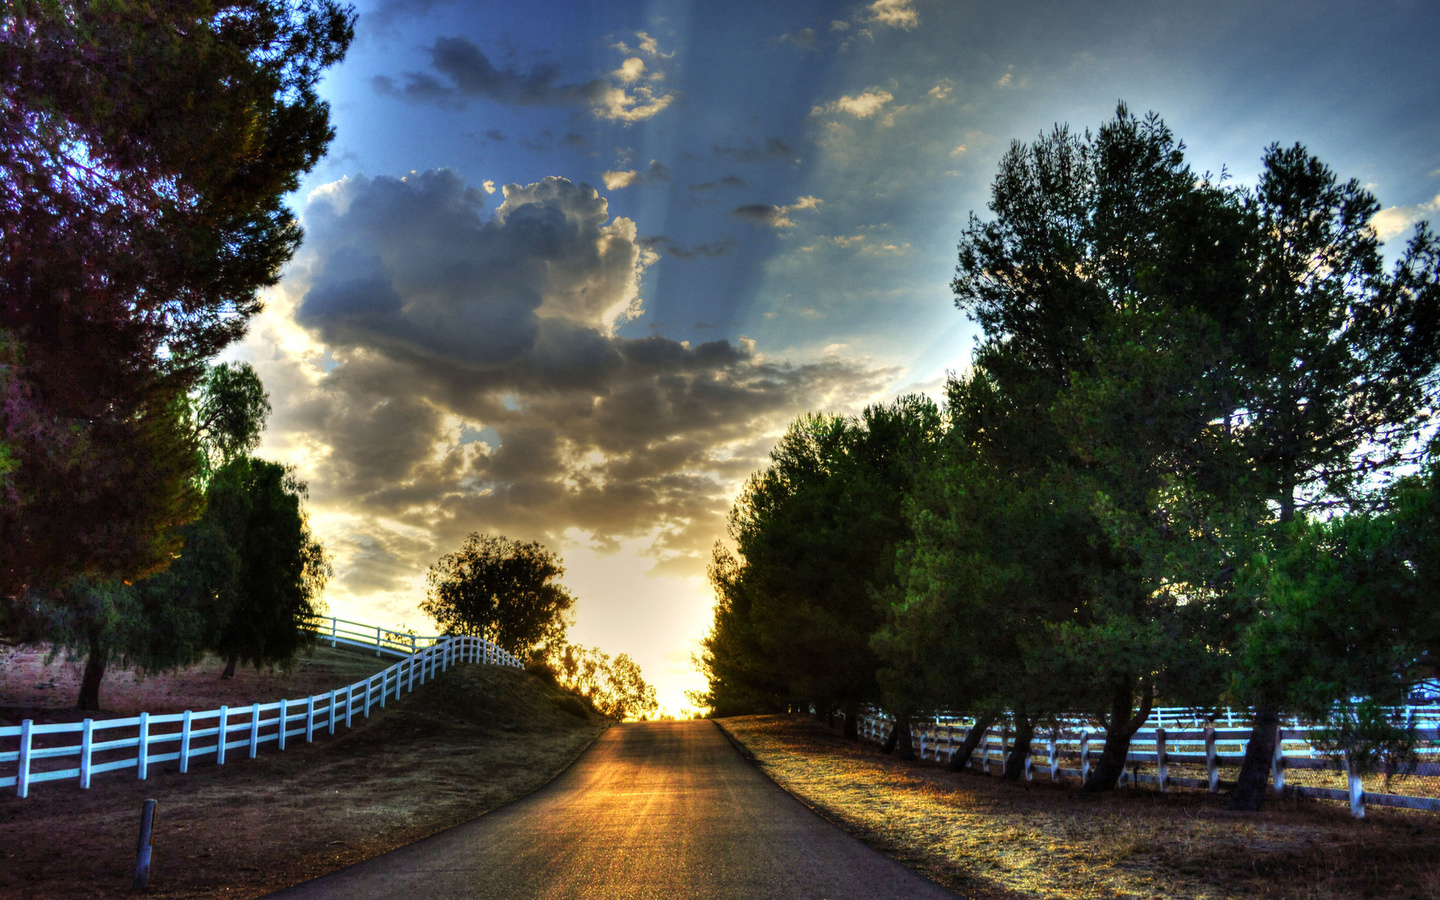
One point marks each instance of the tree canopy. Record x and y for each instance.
(505, 591)
(145, 149)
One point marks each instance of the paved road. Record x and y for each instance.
(651, 810)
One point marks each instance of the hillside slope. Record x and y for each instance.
(471, 740)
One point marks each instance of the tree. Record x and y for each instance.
(1350, 610)
(144, 153)
(815, 536)
(1098, 284)
(229, 409)
(502, 590)
(1338, 367)
(266, 600)
(613, 686)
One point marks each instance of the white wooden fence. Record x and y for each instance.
(1189, 739)
(80, 750)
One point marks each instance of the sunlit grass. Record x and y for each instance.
(988, 838)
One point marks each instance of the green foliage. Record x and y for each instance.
(815, 538)
(230, 407)
(145, 152)
(253, 553)
(1369, 737)
(502, 590)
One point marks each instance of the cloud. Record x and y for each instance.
(861, 106)
(751, 152)
(440, 367)
(805, 39)
(709, 187)
(668, 248)
(460, 71)
(775, 216)
(1393, 221)
(615, 180)
(468, 73)
(895, 14)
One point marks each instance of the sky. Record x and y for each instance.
(571, 268)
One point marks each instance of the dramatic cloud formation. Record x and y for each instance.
(466, 373)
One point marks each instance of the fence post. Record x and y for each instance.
(349, 703)
(377, 640)
(1162, 768)
(310, 720)
(220, 728)
(1357, 791)
(412, 645)
(985, 750)
(185, 743)
(254, 728)
(22, 776)
(282, 725)
(334, 629)
(1212, 767)
(1084, 756)
(1277, 765)
(1055, 754)
(87, 740)
(384, 685)
(142, 747)
(410, 665)
(369, 683)
(333, 694)
(1004, 747)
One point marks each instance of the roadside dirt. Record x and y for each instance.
(994, 840)
(471, 740)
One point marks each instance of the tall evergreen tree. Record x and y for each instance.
(145, 149)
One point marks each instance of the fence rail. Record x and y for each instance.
(42, 753)
(1210, 743)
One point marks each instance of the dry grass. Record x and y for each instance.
(471, 740)
(990, 839)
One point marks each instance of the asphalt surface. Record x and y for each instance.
(651, 810)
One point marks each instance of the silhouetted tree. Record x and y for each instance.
(502, 590)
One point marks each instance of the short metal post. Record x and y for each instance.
(144, 845)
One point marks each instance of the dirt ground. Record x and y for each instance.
(471, 740)
(994, 840)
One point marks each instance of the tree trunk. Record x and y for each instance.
(1020, 750)
(1249, 793)
(961, 758)
(892, 738)
(229, 667)
(1120, 727)
(852, 722)
(904, 745)
(95, 663)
